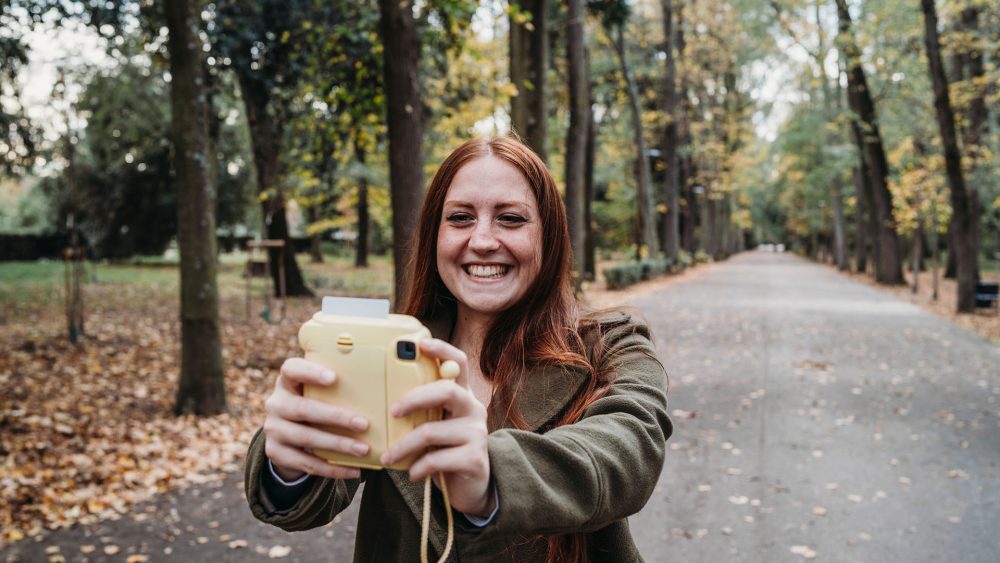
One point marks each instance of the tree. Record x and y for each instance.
(671, 224)
(964, 220)
(529, 61)
(256, 39)
(405, 123)
(576, 136)
(888, 265)
(615, 14)
(202, 386)
(18, 137)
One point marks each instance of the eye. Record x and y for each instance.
(512, 219)
(459, 218)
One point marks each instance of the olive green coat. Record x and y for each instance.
(584, 477)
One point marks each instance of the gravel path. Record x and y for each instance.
(815, 418)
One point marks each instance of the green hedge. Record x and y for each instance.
(624, 275)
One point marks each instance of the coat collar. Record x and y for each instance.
(547, 389)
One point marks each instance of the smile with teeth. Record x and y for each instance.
(493, 271)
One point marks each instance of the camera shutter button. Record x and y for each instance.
(449, 369)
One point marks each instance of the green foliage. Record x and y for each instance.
(629, 273)
(18, 136)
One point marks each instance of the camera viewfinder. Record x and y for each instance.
(406, 350)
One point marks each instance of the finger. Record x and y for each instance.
(461, 461)
(294, 458)
(296, 408)
(298, 371)
(450, 432)
(441, 350)
(302, 436)
(456, 399)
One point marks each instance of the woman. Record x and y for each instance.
(556, 430)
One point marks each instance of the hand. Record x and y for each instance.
(290, 436)
(458, 441)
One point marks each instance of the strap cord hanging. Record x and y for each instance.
(426, 524)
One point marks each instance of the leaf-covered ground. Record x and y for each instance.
(86, 430)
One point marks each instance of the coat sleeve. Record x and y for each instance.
(319, 503)
(583, 476)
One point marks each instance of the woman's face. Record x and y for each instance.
(489, 242)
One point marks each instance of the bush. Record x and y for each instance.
(701, 257)
(624, 275)
(684, 260)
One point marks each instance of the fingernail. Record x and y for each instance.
(394, 411)
(327, 376)
(359, 423)
(359, 448)
(354, 474)
(385, 458)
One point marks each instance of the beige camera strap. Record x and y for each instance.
(426, 523)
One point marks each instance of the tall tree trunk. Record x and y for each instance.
(201, 389)
(868, 195)
(265, 136)
(829, 101)
(590, 256)
(978, 115)
(839, 237)
(671, 226)
(576, 136)
(405, 121)
(888, 265)
(860, 223)
(644, 196)
(692, 211)
(361, 246)
(316, 239)
(529, 56)
(963, 220)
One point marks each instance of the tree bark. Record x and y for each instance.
(647, 223)
(405, 123)
(671, 226)
(964, 223)
(590, 256)
(201, 389)
(316, 239)
(529, 55)
(888, 264)
(361, 245)
(576, 136)
(860, 223)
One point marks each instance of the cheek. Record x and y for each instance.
(531, 253)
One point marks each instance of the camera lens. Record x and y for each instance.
(406, 350)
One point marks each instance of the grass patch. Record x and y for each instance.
(43, 281)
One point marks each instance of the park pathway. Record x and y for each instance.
(817, 418)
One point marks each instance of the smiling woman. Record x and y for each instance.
(555, 428)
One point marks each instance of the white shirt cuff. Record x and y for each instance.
(281, 481)
(481, 522)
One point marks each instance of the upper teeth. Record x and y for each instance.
(486, 271)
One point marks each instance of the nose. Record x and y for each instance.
(483, 238)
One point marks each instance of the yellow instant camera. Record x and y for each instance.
(376, 357)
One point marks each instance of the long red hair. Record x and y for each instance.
(543, 328)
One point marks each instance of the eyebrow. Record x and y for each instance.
(500, 205)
